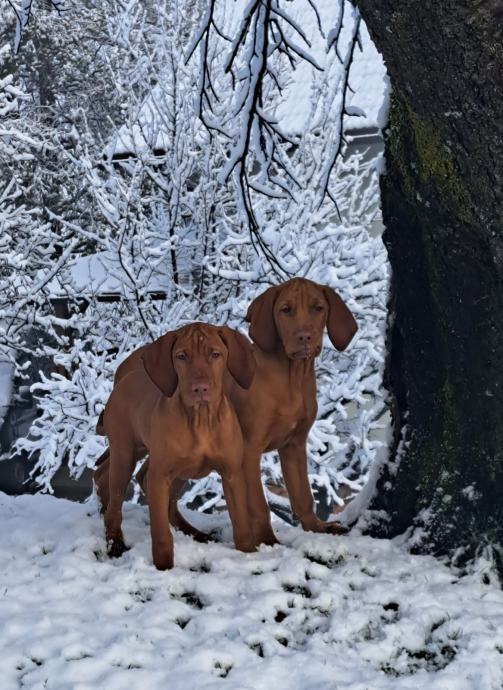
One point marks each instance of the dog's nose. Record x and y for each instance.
(304, 337)
(200, 388)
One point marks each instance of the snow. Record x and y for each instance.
(371, 86)
(148, 130)
(103, 273)
(317, 612)
(368, 79)
(6, 379)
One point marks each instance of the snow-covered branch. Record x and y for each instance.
(165, 190)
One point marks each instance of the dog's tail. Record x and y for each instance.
(100, 429)
(100, 480)
(104, 456)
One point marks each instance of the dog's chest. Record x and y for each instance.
(196, 467)
(201, 453)
(291, 418)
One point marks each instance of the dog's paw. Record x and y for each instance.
(201, 537)
(335, 528)
(116, 548)
(215, 534)
(314, 524)
(263, 534)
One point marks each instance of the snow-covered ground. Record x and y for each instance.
(316, 613)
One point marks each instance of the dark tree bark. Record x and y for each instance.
(442, 198)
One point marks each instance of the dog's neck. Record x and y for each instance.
(207, 416)
(301, 369)
(296, 371)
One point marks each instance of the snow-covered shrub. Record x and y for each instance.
(202, 190)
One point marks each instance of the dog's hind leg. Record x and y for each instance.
(122, 462)
(175, 517)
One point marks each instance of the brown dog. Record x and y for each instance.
(287, 324)
(177, 411)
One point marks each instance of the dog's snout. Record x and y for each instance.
(200, 388)
(304, 337)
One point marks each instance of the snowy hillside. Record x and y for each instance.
(316, 613)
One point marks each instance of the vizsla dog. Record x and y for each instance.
(177, 411)
(287, 324)
(277, 411)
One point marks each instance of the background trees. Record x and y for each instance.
(180, 189)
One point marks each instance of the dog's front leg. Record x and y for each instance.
(158, 492)
(294, 466)
(260, 516)
(237, 505)
(176, 519)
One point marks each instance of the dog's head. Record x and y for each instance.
(293, 316)
(194, 359)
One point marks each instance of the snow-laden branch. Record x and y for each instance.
(256, 63)
(23, 12)
(124, 214)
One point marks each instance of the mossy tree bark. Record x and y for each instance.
(442, 199)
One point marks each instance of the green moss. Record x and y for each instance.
(437, 456)
(418, 150)
(436, 163)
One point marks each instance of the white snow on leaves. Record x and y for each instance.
(318, 612)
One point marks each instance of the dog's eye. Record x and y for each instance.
(181, 356)
(215, 355)
(285, 309)
(318, 307)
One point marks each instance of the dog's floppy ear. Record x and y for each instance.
(261, 319)
(240, 358)
(341, 325)
(158, 362)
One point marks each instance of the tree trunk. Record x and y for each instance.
(442, 204)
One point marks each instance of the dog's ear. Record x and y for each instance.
(260, 316)
(158, 362)
(240, 358)
(341, 325)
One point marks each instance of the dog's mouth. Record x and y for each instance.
(200, 399)
(308, 352)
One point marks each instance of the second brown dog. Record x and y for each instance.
(175, 409)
